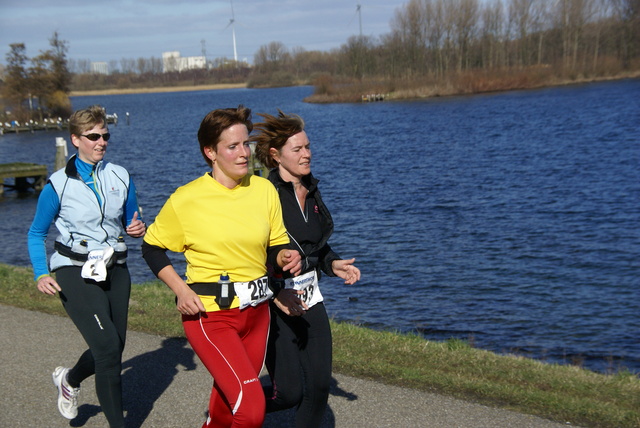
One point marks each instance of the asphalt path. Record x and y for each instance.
(166, 386)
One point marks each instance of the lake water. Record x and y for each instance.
(511, 220)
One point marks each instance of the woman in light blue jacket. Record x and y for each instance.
(92, 203)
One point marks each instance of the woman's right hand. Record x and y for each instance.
(48, 285)
(289, 302)
(189, 303)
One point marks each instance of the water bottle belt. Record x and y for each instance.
(68, 252)
(211, 289)
(224, 298)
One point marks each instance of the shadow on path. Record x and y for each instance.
(85, 412)
(147, 376)
(286, 418)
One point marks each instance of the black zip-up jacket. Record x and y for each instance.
(319, 255)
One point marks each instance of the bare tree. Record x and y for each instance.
(113, 66)
(492, 34)
(520, 13)
(434, 15)
(627, 13)
(127, 65)
(409, 26)
(83, 66)
(271, 57)
(143, 66)
(57, 56)
(155, 65)
(16, 84)
(466, 23)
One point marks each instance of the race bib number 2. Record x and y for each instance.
(308, 283)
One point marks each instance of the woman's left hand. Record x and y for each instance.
(290, 261)
(346, 270)
(137, 228)
(289, 302)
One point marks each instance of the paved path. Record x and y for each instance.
(165, 386)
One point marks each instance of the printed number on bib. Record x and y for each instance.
(308, 283)
(253, 292)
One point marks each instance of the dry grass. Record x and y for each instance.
(329, 90)
(159, 89)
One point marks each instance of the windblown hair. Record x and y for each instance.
(215, 123)
(274, 133)
(85, 119)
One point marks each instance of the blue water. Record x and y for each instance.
(509, 220)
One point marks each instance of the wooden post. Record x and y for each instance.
(61, 153)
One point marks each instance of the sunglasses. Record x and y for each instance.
(96, 137)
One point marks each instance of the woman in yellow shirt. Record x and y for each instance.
(227, 223)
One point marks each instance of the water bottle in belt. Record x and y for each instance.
(225, 292)
(80, 248)
(120, 250)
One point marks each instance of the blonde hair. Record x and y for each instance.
(85, 119)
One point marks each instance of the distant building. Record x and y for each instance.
(99, 68)
(172, 61)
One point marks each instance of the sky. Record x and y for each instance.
(106, 31)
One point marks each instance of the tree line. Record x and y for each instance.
(496, 44)
(438, 36)
(470, 45)
(41, 90)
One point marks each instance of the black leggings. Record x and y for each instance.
(99, 311)
(304, 344)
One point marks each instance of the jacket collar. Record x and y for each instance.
(309, 181)
(71, 169)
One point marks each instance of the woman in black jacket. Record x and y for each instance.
(300, 335)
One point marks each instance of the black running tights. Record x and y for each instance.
(299, 363)
(99, 311)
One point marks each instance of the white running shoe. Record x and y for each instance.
(67, 396)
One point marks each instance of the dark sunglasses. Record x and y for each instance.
(96, 137)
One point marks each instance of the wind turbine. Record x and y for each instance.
(233, 32)
(359, 13)
(358, 7)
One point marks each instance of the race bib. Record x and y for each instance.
(254, 292)
(95, 268)
(308, 283)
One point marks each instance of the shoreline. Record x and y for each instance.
(418, 92)
(157, 89)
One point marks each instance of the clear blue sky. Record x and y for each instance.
(104, 31)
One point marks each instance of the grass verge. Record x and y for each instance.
(562, 393)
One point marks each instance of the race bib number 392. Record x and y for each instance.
(308, 283)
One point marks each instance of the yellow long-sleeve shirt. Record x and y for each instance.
(220, 229)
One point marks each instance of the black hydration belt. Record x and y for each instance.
(68, 252)
(215, 289)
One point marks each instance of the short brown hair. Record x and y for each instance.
(85, 119)
(274, 133)
(216, 121)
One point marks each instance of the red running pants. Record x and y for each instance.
(231, 344)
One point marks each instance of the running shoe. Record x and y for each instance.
(67, 396)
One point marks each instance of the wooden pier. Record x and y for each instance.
(368, 98)
(26, 176)
(45, 125)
